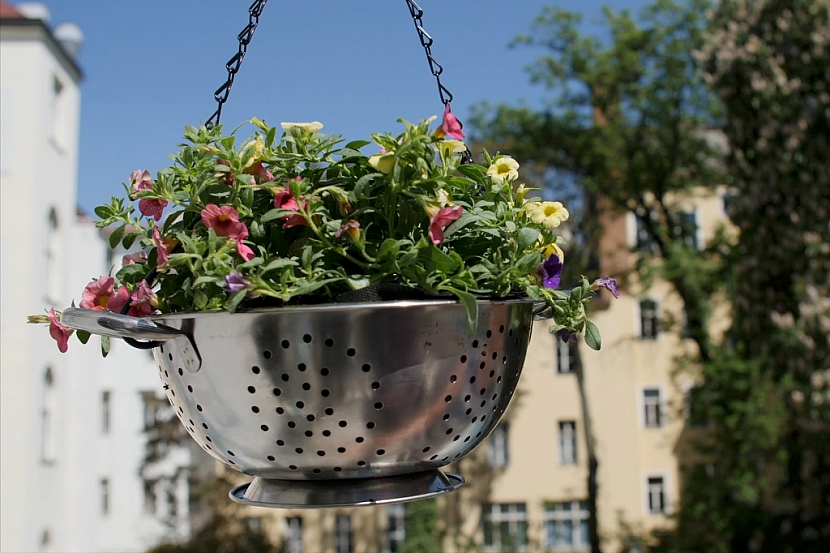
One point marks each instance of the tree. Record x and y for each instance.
(766, 480)
(626, 130)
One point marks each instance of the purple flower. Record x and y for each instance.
(234, 282)
(566, 336)
(550, 271)
(608, 283)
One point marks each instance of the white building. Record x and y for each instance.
(71, 425)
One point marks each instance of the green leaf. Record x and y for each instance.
(465, 219)
(206, 279)
(277, 264)
(117, 235)
(529, 263)
(129, 239)
(468, 301)
(233, 303)
(276, 214)
(443, 262)
(105, 345)
(592, 337)
(103, 211)
(390, 246)
(131, 273)
(527, 237)
(474, 172)
(83, 336)
(357, 144)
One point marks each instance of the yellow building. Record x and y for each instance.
(527, 487)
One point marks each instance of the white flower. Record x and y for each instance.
(504, 167)
(383, 162)
(450, 147)
(308, 127)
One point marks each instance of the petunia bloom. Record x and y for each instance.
(307, 127)
(58, 331)
(440, 220)
(608, 283)
(118, 299)
(163, 246)
(503, 168)
(258, 169)
(285, 200)
(224, 221)
(97, 294)
(244, 251)
(352, 228)
(550, 272)
(149, 207)
(549, 214)
(566, 336)
(234, 282)
(142, 300)
(450, 147)
(383, 162)
(554, 249)
(450, 125)
(130, 259)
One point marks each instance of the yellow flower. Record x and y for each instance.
(258, 146)
(307, 127)
(260, 124)
(383, 162)
(504, 167)
(550, 214)
(450, 147)
(522, 191)
(443, 198)
(554, 249)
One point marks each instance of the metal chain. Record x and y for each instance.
(221, 94)
(426, 41)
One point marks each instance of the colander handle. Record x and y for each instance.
(105, 323)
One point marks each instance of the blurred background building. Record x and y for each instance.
(73, 424)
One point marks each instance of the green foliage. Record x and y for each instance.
(421, 530)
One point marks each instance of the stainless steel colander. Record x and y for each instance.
(335, 392)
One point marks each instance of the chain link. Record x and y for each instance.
(426, 41)
(221, 94)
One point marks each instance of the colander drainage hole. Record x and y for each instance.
(231, 453)
(321, 453)
(292, 424)
(324, 371)
(342, 424)
(351, 352)
(181, 372)
(484, 353)
(369, 425)
(277, 392)
(495, 396)
(468, 397)
(310, 418)
(341, 450)
(170, 356)
(264, 427)
(337, 469)
(329, 411)
(375, 385)
(255, 369)
(251, 390)
(309, 433)
(361, 463)
(448, 399)
(501, 329)
(266, 354)
(172, 391)
(446, 416)
(472, 379)
(208, 438)
(190, 388)
(208, 447)
(280, 443)
(379, 405)
(449, 431)
(474, 419)
(165, 374)
(498, 380)
(380, 451)
(479, 434)
(483, 417)
(482, 365)
(445, 459)
(457, 436)
(255, 409)
(324, 392)
(510, 333)
(463, 358)
(453, 378)
(481, 393)
(285, 344)
(434, 457)
(292, 467)
(306, 386)
(191, 421)
(483, 403)
(284, 377)
(271, 458)
(468, 411)
(489, 333)
(316, 471)
(298, 449)
(425, 449)
(204, 426)
(329, 342)
(307, 338)
(366, 367)
(359, 439)
(301, 367)
(280, 410)
(475, 343)
(492, 373)
(326, 433)
(504, 360)
(231, 462)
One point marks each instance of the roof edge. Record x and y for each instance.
(23, 22)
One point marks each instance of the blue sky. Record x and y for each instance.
(151, 67)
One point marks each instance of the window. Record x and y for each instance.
(505, 526)
(395, 527)
(53, 264)
(48, 416)
(645, 242)
(151, 409)
(686, 228)
(730, 202)
(652, 409)
(566, 525)
(149, 496)
(105, 496)
(293, 539)
(564, 356)
(649, 323)
(567, 442)
(105, 411)
(343, 534)
(497, 449)
(59, 112)
(656, 492)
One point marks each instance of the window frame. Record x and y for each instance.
(663, 477)
(343, 534)
(516, 520)
(293, 535)
(498, 446)
(654, 319)
(577, 515)
(660, 406)
(395, 533)
(574, 443)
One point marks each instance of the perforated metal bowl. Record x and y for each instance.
(337, 391)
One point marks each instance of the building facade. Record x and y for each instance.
(71, 425)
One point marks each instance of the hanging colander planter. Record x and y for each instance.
(259, 293)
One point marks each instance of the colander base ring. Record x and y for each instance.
(362, 492)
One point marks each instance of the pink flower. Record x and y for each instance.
(163, 246)
(225, 177)
(258, 169)
(285, 200)
(118, 299)
(450, 126)
(142, 300)
(441, 220)
(244, 251)
(97, 294)
(224, 221)
(58, 331)
(138, 257)
(147, 206)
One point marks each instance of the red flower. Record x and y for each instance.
(450, 125)
(58, 331)
(244, 251)
(148, 207)
(118, 299)
(258, 169)
(284, 200)
(224, 221)
(97, 294)
(441, 220)
(163, 246)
